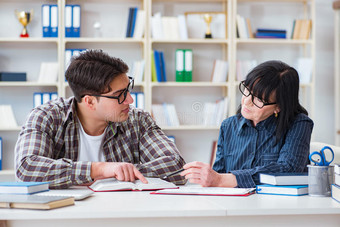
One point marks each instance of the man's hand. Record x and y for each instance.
(122, 171)
(201, 173)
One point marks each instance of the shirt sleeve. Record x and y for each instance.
(35, 155)
(159, 156)
(293, 156)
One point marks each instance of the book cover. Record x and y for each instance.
(13, 76)
(291, 190)
(68, 22)
(211, 191)
(45, 20)
(129, 24)
(23, 187)
(284, 178)
(335, 192)
(76, 20)
(35, 201)
(112, 184)
(54, 20)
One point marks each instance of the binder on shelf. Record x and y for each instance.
(153, 67)
(76, 20)
(188, 65)
(54, 20)
(68, 21)
(157, 60)
(13, 76)
(40, 98)
(130, 21)
(179, 59)
(140, 24)
(163, 69)
(135, 10)
(46, 20)
(1, 153)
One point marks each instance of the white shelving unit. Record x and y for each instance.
(336, 7)
(193, 140)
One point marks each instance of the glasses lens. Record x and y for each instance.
(122, 96)
(244, 90)
(257, 102)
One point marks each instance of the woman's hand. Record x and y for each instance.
(202, 173)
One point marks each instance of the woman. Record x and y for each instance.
(270, 133)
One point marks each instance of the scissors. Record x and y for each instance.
(321, 154)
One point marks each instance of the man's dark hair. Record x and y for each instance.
(283, 80)
(92, 72)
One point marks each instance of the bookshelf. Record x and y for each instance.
(193, 139)
(336, 7)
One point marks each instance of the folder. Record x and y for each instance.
(76, 20)
(46, 20)
(68, 21)
(1, 153)
(140, 100)
(135, 10)
(158, 65)
(179, 58)
(163, 69)
(129, 24)
(188, 65)
(54, 20)
(37, 99)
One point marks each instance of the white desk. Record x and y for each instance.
(143, 209)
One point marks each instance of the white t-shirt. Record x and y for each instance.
(90, 147)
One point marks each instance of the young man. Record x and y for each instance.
(95, 134)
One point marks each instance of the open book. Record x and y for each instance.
(216, 191)
(112, 184)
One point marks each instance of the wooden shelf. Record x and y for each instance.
(27, 84)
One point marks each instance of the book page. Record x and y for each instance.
(111, 184)
(154, 184)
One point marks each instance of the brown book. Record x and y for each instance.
(250, 32)
(34, 201)
(305, 29)
(213, 153)
(297, 28)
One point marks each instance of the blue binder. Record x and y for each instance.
(54, 20)
(158, 65)
(135, 10)
(163, 70)
(76, 20)
(129, 25)
(46, 20)
(68, 21)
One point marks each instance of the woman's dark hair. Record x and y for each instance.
(276, 77)
(92, 72)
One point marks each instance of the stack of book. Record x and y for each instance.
(165, 114)
(220, 71)
(171, 28)
(301, 29)
(136, 23)
(336, 185)
(7, 117)
(184, 65)
(138, 99)
(292, 184)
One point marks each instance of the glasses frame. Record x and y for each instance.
(252, 96)
(124, 92)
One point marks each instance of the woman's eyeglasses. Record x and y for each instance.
(256, 101)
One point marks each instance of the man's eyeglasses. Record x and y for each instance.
(256, 101)
(122, 95)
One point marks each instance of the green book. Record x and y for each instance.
(188, 65)
(179, 65)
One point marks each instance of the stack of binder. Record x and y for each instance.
(72, 21)
(184, 65)
(49, 16)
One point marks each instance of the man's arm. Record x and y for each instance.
(159, 156)
(36, 154)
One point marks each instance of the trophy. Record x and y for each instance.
(24, 18)
(207, 18)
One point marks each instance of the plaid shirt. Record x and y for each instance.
(48, 144)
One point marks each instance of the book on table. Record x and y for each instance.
(335, 192)
(23, 187)
(34, 201)
(284, 178)
(294, 190)
(77, 192)
(210, 191)
(112, 184)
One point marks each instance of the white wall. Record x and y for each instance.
(324, 97)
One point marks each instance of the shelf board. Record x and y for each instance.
(275, 1)
(190, 127)
(274, 41)
(103, 40)
(135, 84)
(28, 40)
(7, 172)
(189, 84)
(18, 128)
(27, 84)
(191, 41)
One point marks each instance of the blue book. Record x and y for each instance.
(271, 30)
(129, 24)
(284, 178)
(270, 35)
(23, 187)
(163, 69)
(291, 190)
(134, 16)
(11, 76)
(158, 65)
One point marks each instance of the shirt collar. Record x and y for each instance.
(268, 124)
